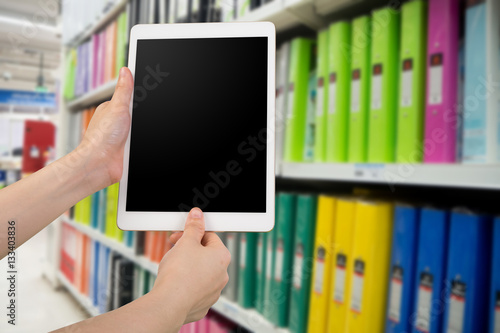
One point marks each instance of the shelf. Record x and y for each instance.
(81, 299)
(10, 163)
(113, 245)
(100, 22)
(248, 318)
(104, 92)
(440, 175)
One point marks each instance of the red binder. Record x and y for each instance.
(39, 145)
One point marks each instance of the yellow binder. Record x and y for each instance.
(370, 271)
(323, 248)
(341, 265)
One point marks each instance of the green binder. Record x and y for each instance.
(321, 97)
(360, 90)
(111, 211)
(302, 267)
(338, 92)
(121, 42)
(260, 268)
(410, 118)
(300, 65)
(246, 272)
(269, 303)
(383, 86)
(283, 257)
(310, 119)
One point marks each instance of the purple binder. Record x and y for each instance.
(442, 82)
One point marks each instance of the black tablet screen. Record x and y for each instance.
(199, 122)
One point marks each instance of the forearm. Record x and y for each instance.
(39, 199)
(150, 313)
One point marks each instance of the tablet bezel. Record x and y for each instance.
(245, 222)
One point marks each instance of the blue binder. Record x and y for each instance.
(403, 262)
(495, 280)
(468, 272)
(95, 278)
(95, 209)
(431, 270)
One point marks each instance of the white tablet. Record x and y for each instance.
(202, 131)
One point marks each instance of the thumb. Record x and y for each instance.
(124, 89)
(195, 225)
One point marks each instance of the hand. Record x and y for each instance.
(104, 142)
(194, 272)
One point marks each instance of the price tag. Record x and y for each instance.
(424, 302)
(339, 284)
(457, 307)
(407, 83)
(320, 98)
(355, 90)
(357, 286)
(376, 94)
(319, 270)
(297, 266)
(332, 92)
(396, 292)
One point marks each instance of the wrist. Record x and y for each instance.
(171, 308)
(92, 165)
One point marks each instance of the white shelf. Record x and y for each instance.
(248, 318)
(10, 163)
(441, 175)
(100, 22)
(104, 92)
(84, 301)
(114, 245)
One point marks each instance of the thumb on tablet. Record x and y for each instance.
(195, 225)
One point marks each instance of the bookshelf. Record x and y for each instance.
(287, 15)
(248, 318)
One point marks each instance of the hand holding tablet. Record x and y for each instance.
(202, 132)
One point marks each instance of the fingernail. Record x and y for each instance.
(122, 73)
(196, 213)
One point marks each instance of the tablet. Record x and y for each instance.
(202, 131)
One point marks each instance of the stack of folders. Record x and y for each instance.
(350, 264)
(396, 85)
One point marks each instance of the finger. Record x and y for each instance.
(195, 225)
(175, 237)
(124, 89)
(211, 239)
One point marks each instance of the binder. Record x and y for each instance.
(494, 311)
(342, 264)
(246, 272)
(296, 104)
(310, 131)
(383, 86)
(338, 91)
(442, 82)
(95, 274)
(269, 301)
(468, 272)
(360, 90)
(402, 269)
(322, 266)
(260, 268)
(38, 145)
(481, 142)
(321, 96)
(370, 271)
(95, 209)
(410, 117)
(231, 289)
(111, 210)
(283, 256)
(302, 267)
(282, 66)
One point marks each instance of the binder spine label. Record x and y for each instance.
(436, 79)
(424, 302)
(332, 91)
(357, 286)
(396, 294)
(320, 270)
(355, 90)
(260, 249)
(456, 307)
(407, 83)
(297, 266)
(278, 268)
(496, 324)
(320, 97)
(243, 251)
(376, 100)
(339, 284)
(269, 258)
(289, 105)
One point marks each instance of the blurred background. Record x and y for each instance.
(387, 165)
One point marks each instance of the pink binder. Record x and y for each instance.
(95, 60)
(442, 82)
